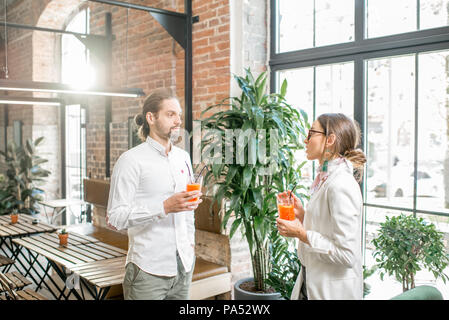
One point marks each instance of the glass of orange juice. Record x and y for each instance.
(285, 208)
(195, 182)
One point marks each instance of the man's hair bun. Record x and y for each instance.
(139, 119)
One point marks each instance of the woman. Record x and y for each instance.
(330, 228)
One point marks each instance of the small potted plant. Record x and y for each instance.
(407, 244)
(14, 216)
(63, 237)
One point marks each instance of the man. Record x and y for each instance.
(148, 197)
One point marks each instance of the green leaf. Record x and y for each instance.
(283, 88)
(247, 175)
(234, 227)
(247, 210)
(231, 173)
(257, 195)
(258, 227)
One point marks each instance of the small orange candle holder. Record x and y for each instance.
(63, 238)
(14, 217)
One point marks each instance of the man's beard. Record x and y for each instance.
(175, 136)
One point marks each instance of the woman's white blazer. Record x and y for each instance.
(333, 220)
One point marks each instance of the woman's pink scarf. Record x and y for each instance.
(322, 176)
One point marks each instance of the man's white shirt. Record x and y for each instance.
(143, 177)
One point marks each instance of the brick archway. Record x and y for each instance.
(55, 14)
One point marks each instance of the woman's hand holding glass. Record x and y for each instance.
(293, 228)
(297, 205)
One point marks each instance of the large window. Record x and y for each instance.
(385, 64)
(76, 71)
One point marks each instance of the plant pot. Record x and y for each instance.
(14, 218)
(63, 239)
(240, 294)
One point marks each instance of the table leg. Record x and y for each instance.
(3, 242)
(41, 278)
(16, 251)
(91, 289)
(103, 292)
(62, 275)
(97, 294)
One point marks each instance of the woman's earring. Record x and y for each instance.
(326, 162)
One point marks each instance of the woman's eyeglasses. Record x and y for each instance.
(309, 135)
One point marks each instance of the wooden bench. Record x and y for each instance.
(7, 286)
(5, 262)
(15, 280)
(26, 294)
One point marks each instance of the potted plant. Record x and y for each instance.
(405, 245)
(285, 265)
(6, 198)
(63, 237)
(249, 187)
(24, 173)
(14, 216)
(367, 272)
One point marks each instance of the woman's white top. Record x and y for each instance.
(333, 220)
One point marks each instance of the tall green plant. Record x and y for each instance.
(405, 245)
(285, 265)
(6, 199)
(24, 174)
(250, 188)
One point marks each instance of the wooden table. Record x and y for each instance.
(23, 227)
(102, 275)
(82, 252)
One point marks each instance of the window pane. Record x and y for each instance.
(335, 89)
(300, 95)
(390, 106)
(334, 92)
(386, 17)
(334, 21)
(434, 13)
(76, 69)
(433, 150)
(295, 25)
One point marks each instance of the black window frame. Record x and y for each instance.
(358, 51)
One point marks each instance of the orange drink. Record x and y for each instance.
(285, 208)
(194, 184)
(193, 187)
(286, 212)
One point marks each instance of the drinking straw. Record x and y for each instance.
(190, 174)
(292, 191)
(200, 172)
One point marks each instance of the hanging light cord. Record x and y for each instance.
(5, 68)
(126, 51)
